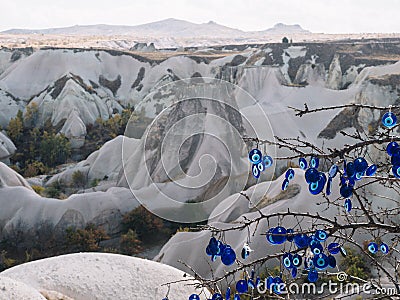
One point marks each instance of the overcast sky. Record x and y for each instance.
(329, 16)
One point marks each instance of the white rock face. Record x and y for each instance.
(75, 130)
(20, 203)
(10, 178)
(92, 276)
(7, 147)
(334, 80)
(16, 289)
(101, 208)
(9, 108)
(72, 102)
(103, 163)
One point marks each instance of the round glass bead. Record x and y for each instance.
(303, 163)
(389, 119)
(321, 235)
(348, 205)
(217, 296)
(312, 276)
(333, 170)
(346, 190)
(320, 261)
(360, 164)
(331, 261)
(396, 171)
(373, 247)
(371, 170)
(228, 257)
(289, 174)
(261, 166)
(267, 160)
(287, 260)
(314, 162)
(329, 186)
(333, 248)
(296, 260)
(311, 175)
(301, 240)
(350, 169)
(285, 184)
(242, 286)
(255, 156)
(391, 147)
(294, 272)
(279, 235)
(290, 234)
(384, 248)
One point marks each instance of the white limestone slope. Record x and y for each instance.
(103, 163)
(99, 276)
(21, 206)
(74, 129)
(10, 178)
(7, 147)
(15, 289)
(9, 108)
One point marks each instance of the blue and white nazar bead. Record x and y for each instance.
(255, 156)
(391, 147)
(373, 247)
(246, 250)
(268, 161)
(289, 175)
(255, 171)
(389, 120)
(317, 187)
(314, 162)
(384, 248)
(303, 163)
(333, 170)
(348, 205)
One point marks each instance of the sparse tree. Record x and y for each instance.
(16, 127)
(143, 222)
(79, 179)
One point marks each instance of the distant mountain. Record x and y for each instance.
(281, 28)
(164, 28)
(167, 27)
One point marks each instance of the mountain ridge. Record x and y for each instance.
(166, 27)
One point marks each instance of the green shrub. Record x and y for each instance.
(54, 190)
(143, 222)
(355, 264)
(87, 239)
(79, 179)
(130, 243)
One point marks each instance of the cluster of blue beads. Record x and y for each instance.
(352, 171)
(319, 261)
(289, 175)
(216, 248)
(374, 248)
(389, 120)
(259, 162)
(393, 150)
